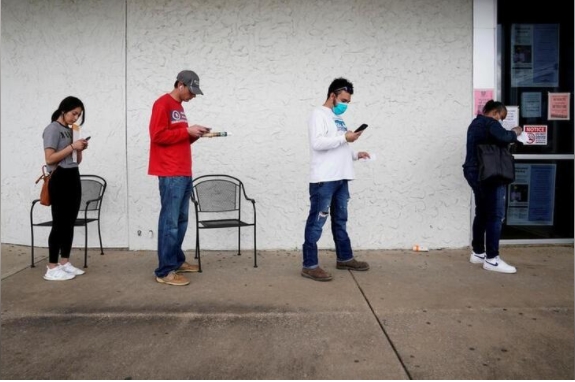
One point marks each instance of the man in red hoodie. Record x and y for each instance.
(171, 161)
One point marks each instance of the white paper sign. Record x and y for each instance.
(512, 118)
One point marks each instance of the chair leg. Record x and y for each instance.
(255, 252)
(32, 247)
(198, 256)
(197, 242)
(85, 245)
(239, 238)
(100, 236)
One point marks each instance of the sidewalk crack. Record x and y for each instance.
(382, 327)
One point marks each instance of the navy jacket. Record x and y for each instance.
(485, 130)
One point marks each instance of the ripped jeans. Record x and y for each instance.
(327, 199)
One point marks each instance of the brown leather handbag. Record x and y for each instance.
(44, 193)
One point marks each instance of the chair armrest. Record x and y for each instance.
(253, 207)
(246, 196)
(244, 192)
(32, 211)
(193, 199)
(88, 202)
(33, 205)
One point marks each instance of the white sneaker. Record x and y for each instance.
(477, 258)
(69, 268)
(498, 265)
(57, 274)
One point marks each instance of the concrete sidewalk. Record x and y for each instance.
(413, 315)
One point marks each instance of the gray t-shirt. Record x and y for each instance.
(58, 137)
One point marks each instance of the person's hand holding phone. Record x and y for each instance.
(361, 128)
(86, 141)
(81, 144)
(352, 136)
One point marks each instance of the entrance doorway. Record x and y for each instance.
(535, 55)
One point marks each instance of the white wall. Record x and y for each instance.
(484, 60)
(484, 45)
(263, 66)
(50, 50)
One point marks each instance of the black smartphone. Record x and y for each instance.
(361, 128)
(88, 138)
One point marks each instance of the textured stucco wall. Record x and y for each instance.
(52, 49)
(263, 66)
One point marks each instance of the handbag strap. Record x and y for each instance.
(487, 132)
(493, 143)
(41, 176)
(45, 173)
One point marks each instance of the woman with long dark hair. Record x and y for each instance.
(489, 197)
(65, 188)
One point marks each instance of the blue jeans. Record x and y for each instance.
(175, 192)
(489, 213)
(327, 198)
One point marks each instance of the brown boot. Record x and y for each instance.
(353, 265)
(316, 274)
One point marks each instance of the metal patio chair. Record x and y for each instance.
(218, 204)
(93, 188)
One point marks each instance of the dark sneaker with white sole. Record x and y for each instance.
(353, 265)
(497, 265)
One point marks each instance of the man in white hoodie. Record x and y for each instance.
(331, 170)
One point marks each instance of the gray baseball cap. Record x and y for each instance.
(191, 80)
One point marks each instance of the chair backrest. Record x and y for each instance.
(217, 193)
(93, 188)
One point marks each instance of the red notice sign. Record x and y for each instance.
(537, 134)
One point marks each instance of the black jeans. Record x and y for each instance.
(489, 213)
(65, 194)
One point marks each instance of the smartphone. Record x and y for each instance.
(361, 128)
(88, 138)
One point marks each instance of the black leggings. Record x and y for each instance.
(65, 194)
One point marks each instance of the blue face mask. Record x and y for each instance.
(340, 108)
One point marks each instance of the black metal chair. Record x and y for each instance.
(93, 188)
(217, 202)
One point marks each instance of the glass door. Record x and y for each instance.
(535, 51)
